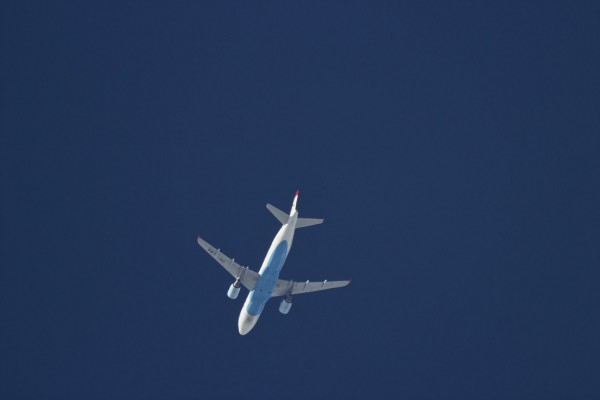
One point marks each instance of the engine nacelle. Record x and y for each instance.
(286, 305)
(234, 290)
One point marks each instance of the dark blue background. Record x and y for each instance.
(452, 148)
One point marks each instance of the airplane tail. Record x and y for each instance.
(284, 217)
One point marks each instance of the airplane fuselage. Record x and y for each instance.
(265, 283)
(268, 275)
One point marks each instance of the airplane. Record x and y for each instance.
(266, 283)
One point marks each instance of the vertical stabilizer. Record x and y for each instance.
(295, 201)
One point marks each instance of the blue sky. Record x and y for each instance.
(451, 148)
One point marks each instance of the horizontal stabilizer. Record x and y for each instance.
(303, 222)
(280, 215)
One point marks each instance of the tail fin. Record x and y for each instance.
(303, 222)
(295, 201)
(280, 215)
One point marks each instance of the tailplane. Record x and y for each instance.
(304, 222)
(280, 215)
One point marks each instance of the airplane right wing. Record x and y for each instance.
(247, 277)
(283, 288)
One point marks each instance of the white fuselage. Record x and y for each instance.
(268, 275)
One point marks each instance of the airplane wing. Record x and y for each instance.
(283, 288)
(247, 277)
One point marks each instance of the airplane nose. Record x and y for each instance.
(244, 329)
(246, 322)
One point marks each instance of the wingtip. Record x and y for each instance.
(297, 192)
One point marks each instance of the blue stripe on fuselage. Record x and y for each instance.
(266, 282)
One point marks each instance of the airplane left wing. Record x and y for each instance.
(247, 277)
(283, 288)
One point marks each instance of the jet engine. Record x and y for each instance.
(286, 305)
(234, 289)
